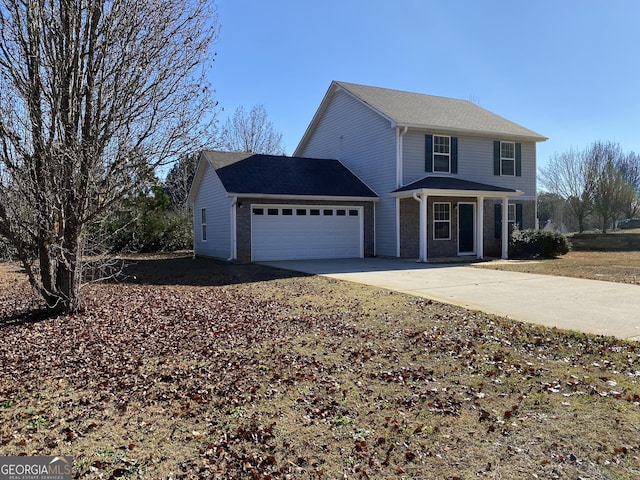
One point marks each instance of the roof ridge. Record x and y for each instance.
(422, 110)
(341, 83)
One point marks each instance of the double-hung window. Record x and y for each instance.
(508, 158)
(441, 221)
(203, 223)
(441, 154)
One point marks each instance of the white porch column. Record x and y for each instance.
(423, 228)
(505, 227)
(480, 228)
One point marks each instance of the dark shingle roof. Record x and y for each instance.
(245, 173)
(451, 183)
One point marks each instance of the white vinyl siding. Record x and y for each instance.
(212, 198)
(475, 163)
(365, 142)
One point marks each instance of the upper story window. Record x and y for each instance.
(508, 158)
(441, 154)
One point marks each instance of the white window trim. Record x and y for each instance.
(441, 221)
(203, 224)
(502, 159)
(434, 153)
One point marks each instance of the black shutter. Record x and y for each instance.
(428, 153)
(496, 157)
(497, 209)
(518, 159)
(454, 155)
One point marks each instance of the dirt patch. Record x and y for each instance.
(262, 373)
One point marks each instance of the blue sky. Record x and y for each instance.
(569, 70)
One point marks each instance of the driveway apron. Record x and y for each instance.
(590, 306)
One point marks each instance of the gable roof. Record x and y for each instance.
(428, 112)
(257, 175)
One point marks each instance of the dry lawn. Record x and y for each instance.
(201, 369)
(623, 267)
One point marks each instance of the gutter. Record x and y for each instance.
(452, 130)
(455, 193)
(303, 198)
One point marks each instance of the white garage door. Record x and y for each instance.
(291, 232)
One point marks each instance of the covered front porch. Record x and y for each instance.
(446, 216)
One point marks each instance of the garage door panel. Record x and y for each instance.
(323, 235)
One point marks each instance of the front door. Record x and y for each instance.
(466, 228)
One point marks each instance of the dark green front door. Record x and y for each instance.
(466, 239)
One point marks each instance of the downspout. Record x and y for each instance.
(234, 235)
(399, 175)
(399, 150)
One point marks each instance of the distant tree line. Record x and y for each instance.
(591, 188)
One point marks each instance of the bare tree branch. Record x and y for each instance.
(94, 95)
(251, 132)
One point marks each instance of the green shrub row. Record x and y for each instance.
(537, 244)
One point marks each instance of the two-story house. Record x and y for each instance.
(377, 172)
(451, 176)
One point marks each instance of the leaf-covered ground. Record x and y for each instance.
(200, 369)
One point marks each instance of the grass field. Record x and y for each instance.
(623, 267)
(200, 369)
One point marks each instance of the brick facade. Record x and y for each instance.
(410, 221)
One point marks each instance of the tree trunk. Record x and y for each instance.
(60, 268)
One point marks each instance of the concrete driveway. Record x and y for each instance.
(590, 306)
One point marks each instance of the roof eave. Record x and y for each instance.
(275, 196)
(443, 192)
(481, 133)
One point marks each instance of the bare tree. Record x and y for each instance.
(629, 168)
(571, 176)
(94, 94)
(614, 192)
(251, 132)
